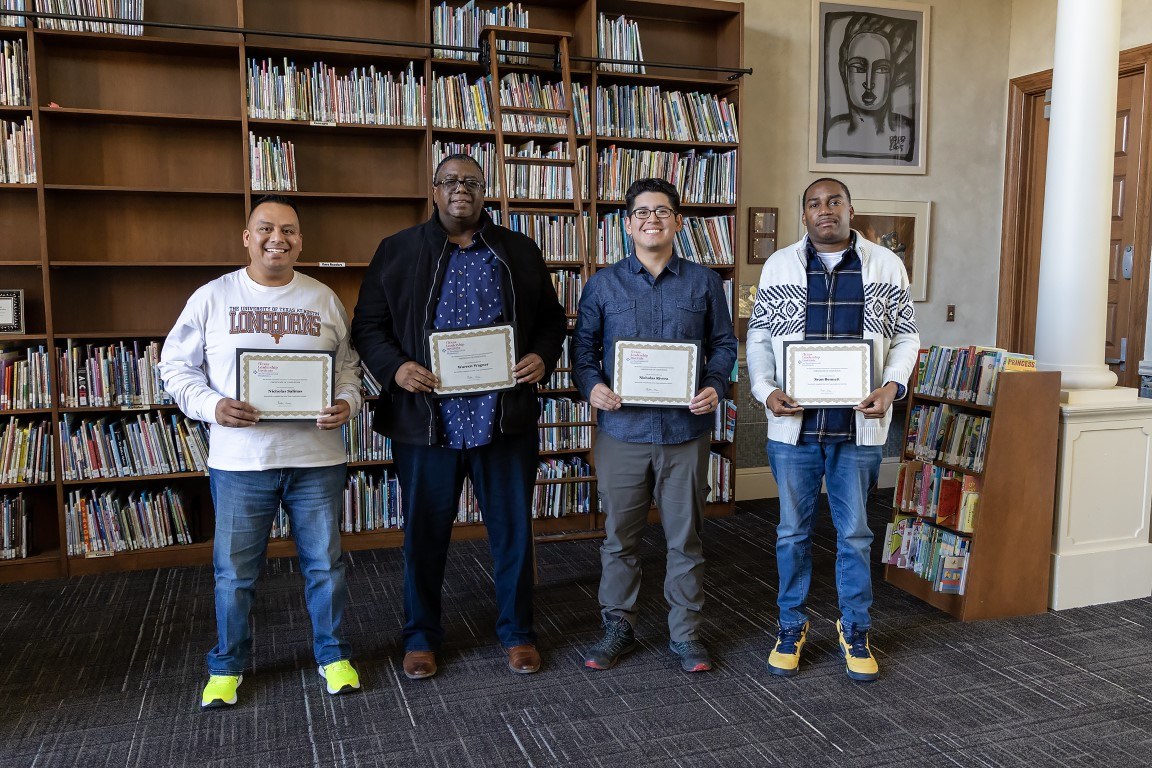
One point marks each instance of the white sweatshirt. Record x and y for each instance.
(198, 365)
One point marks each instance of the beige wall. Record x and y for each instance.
(1034, 32)
(967, 90)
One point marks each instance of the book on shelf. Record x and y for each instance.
(12, 20)
(619, 38)
(968, 374)
(702, 176)
(969, 503)
(24, 379)
(17, 152)
(324, 94)
(724, 427)
(13, 71)
(13, 526)
(132, 446)
(372, 503)
(108, 9)
(123, 373)
(650, 112)
(719, 479)
(460, 26)
(26, 451)
(273, 164)
(562, 499)
(104, 522)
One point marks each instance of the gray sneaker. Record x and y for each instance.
(618, 640)
(694, 657)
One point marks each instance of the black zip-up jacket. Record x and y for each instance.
(396, 306)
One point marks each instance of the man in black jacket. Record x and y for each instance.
(460, 270)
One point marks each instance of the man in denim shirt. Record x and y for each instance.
(645, 452)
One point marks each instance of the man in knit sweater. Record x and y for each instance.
(255, 465)
(832, 285)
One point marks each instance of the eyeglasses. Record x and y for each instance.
(661, 213)
(452, 184)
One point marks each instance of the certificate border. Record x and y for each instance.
(834, 346)
(485, 330)
(660, 402)
(15, 297)
(247, 355)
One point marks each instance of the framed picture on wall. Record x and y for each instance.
(12, 310)
(761, 234)
(902, 227)
(869, 81)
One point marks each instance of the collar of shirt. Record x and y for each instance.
(811, 253)
(635, 266)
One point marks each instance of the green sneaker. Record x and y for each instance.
(220, 691)
(785, 657)
(858, 658)
(340, 677)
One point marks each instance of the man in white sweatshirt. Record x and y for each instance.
(832, 285)
(256, 466)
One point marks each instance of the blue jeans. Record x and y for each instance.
(246, 506)
(503, 475)
(850, 471)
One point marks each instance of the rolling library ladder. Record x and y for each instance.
(490, 59)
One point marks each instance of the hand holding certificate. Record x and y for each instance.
(292, 385)
(827, 374)
(655, 371)
(471, 361)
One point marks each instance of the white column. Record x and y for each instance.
(1100, 546)
(1072, 302)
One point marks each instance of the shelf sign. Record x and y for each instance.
(325, 123)
(333, 264)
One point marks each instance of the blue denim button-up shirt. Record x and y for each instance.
(686, 302)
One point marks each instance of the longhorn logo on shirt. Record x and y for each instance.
(277, 322)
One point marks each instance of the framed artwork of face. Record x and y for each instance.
(869, 80)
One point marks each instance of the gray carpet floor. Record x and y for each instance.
(106, 671)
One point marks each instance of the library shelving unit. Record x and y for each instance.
(1011, 542)
(144, 179)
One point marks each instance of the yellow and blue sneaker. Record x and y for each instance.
(785, 657)
(858, 658)
(220, 691)
(340, 677)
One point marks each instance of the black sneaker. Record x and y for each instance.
(618, 640)
(693, 655)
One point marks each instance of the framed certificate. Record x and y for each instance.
(286, 386)
(828, 374)
(656, 371)
(471, 361)
(12, 310)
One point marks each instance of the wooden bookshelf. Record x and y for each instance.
(143, 184)
(1010, 561)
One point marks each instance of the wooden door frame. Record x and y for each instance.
(1011, 332)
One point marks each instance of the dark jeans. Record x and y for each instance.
(503, 475)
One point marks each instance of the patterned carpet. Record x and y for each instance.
(107, 672)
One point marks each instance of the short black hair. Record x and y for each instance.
(843, 186)
(458, 156)
(640, 186)
(278, 199)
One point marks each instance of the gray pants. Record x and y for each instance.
(629, 477)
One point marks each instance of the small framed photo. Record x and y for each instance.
(761, 234)
(903, 227)
(11, 310)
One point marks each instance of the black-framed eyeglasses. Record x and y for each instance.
(643, 213)
(452, 184)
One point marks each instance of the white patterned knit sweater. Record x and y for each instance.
(778, 316)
